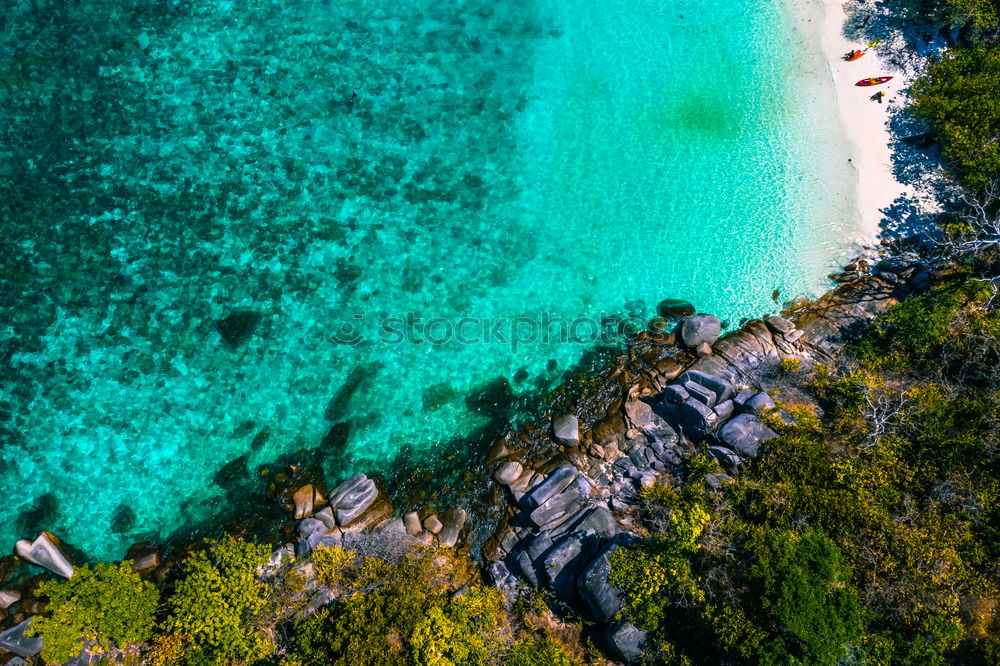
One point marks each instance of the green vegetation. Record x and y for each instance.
(960, 96)
(421, 610)
(867, 536)
(108, 606)
(219, 609)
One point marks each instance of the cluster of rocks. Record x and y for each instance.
(564, 525)
(357, 508)
(569, 513)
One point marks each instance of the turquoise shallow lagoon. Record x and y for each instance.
(168, 163)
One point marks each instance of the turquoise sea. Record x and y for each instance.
(503, 166)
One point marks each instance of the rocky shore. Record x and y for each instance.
(565, 488)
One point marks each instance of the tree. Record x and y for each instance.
(960, 96)
(108, 607)
(807, 594)
(221, 606)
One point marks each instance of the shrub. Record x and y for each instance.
(108, 605)
(221, 606)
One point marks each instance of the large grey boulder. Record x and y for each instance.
(600, 521)
(599, 596)
(639, 413)
(725, 410)
(44, 552)
(744, 434)
(701, 329)
(760, 403)
(716, 384)
(352, 498)
(345, 488)
(14, 640)
(566, 430)
(311, 526)
(557, 509)
(695, 419)
(700, 393)
(562, 564)
(675, 394)
(556, 482)
(625, 642)
(522, 563)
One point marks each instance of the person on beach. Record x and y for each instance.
(877, 97)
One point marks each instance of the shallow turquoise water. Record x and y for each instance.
(167, 163)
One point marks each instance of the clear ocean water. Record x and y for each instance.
(166, 163)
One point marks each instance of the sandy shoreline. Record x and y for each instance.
(865, 121)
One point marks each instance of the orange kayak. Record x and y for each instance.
(854, 55)
(873, 81)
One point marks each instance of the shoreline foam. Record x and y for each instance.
(865, 122)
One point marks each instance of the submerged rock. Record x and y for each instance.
(237, 327)
(674, 307)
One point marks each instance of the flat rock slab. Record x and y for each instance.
(744, 434)
(14, 640)
(562, 563)
(714, 383)
(556, 482)
(599, 596)
(779, 324)
(44, 552)
(557, 509)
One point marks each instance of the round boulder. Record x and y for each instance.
(701, 329)
(507, 473)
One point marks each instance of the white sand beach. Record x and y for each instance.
(865, 121)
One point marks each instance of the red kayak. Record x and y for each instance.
(873, 81)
